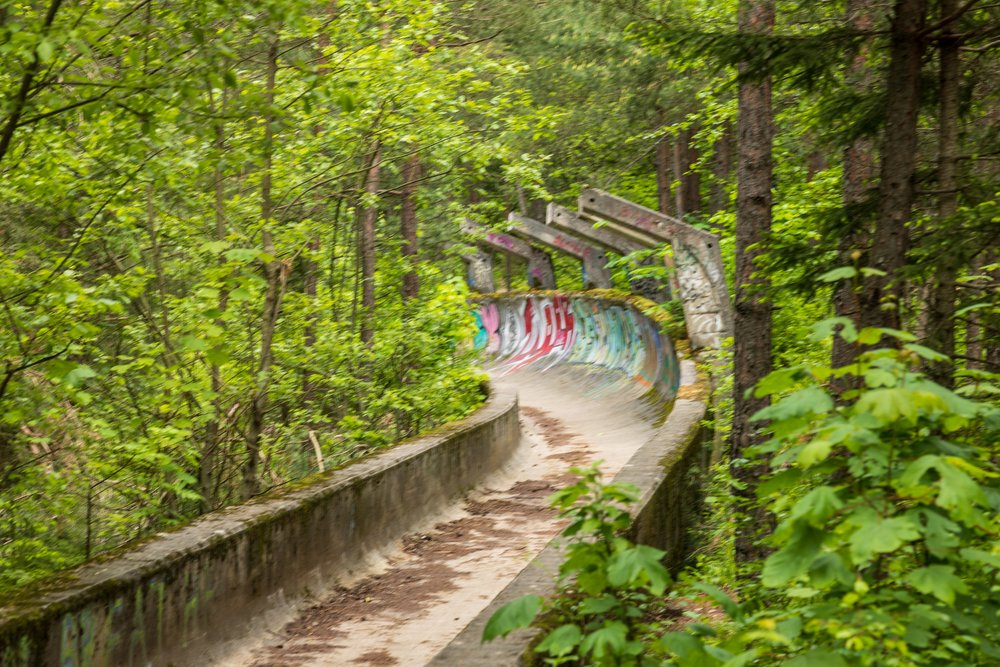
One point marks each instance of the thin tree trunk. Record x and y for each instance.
(213, 430)
(408, 226)
(882, 295)
(752, 352)
(369, 216)
(678, 166)
(275, 275)
(722, 164)
(19, 101)
(663, 167)
(690, 179)
(859, 172)
(940, 333)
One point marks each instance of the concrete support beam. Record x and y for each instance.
(479, 271)
(595, 275)
(707, 308)
(612, 239)
(541, 274)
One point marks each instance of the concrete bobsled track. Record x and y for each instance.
(400, 558)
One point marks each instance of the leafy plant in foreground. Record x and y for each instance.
(886, 548)
(606, 582)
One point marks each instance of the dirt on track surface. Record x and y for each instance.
(441, 576)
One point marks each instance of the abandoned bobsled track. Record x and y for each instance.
(399, 558)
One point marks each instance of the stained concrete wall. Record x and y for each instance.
(665, 469)
(174, 598)
(603, 332)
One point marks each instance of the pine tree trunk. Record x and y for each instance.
(940, 333)
(752, 352)
(721, 167)
(882, 295)
(691, 179)
(408, 226)
(663, 174)
(859, 173)
(213, 430)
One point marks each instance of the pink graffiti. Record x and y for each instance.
(548, 331)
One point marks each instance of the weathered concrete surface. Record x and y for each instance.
(541, 274)
(701, 276)
(442, 575)
(662, 469)
(172, 600)
(593, 259)
(479, 271)
(587, 362)
(611, 239)
(550, 330)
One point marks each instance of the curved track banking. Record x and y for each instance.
(406, 608)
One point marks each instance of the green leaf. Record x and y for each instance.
(818, 505)
(939, 581)
(839, 273)
(607, 641)
(888, 405)
(80, 373)
(192, 344)
(514, 615)
(689, 649)
(816, 658)
(876, 535)
(561, 641)
(45, 51)
(811, 400)
(242, 254)
(816, 451)
(637, 565)
(927, 353)
(599, 605)
(823, 330)
(795, 557)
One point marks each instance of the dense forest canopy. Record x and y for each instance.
(232, 246)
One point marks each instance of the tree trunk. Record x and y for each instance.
(678, 165)
(275, 276)
(881, 296)
(663, 167)
(752, 352)
(940, 333)
(213, 430)
(663, 175)
(366, 240)
(691, 179)
(408, 226)
(722, 164)
(859, 172)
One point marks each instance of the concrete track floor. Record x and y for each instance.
(404, 606)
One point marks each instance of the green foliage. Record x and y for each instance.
(885, 550)
(143, 169)
(606, 582)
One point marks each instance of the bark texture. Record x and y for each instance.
(940, 333)
(752, 353)
(276, 276)
(859, 175)
(882, 295)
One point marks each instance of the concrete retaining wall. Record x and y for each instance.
(548, 329)
(665, 470)
(180, 594)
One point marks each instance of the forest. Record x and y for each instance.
(232, 257)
